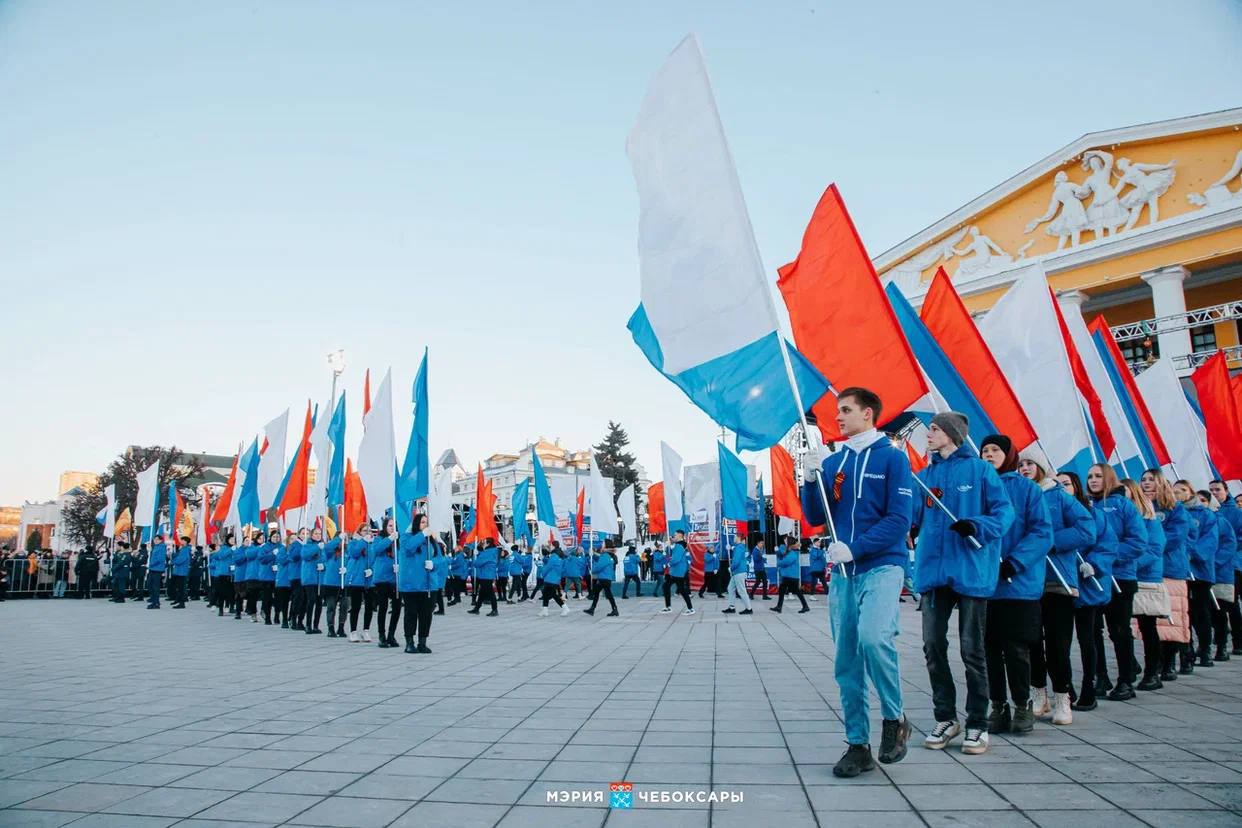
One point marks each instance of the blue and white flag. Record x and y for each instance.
(706, 318)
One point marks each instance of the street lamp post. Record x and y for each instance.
(336, 362)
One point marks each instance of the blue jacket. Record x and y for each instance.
(157, 561)
(787, 563)
(357, 563)
(1226, 551)
(1127, 524)
(333, 561)
(439, 575)
(458, 567)
(1073, 533)
(819, 562)
(528, 563)
(630, 563)
(871, 497)
(1097, 591)
(758, 560)
(739, 561)
(266, 558)
(659, 560)
(241, 564)
(711, 562)
(1150, 568)
(1232, 514)
(416, 552)
(213, 563)
(485, 561)
(225, 557)
(380, 559)
(295, 563)
(679, 560)
(1207, 539)
(1177, 528)
(1026, 542)
(181, 561)
(284, 566)
(971, 490)
(312, 556)
(553, 568)
(576, 565)
(604, 568)
(252, 561)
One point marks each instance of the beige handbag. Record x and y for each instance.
(1152, 599)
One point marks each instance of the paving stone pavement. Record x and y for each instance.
(118, 716)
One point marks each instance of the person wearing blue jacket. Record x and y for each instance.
(630, 568)
(1149, 573)
(1176, 526)
(458, 570)
(416, 581)
(553, 569)
(335, 601)
(1073, 532)
(486, 560)
(818, 568)
(603, 570)
(504, 560)
(1222, 587)
(575, 571)
(759, 563)
(266, 570)
(1202, 554)
(358, 583)
(1232, 514)
(1108, 497)
(280, 589)
(439, 575)
(314, 563)
(659, 568)
(297, 597)
(789, 570)
(1013, 611)
(157, 565)
(1095, 574)
(870, 493)
(956, 565)
(678, 576)
(224, 575)
(739, 567)
(180, 566)
(711, 565)
(382, 561)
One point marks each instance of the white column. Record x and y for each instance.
(1168, 298)
(1071, 299)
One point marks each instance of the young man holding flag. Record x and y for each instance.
(870, 494)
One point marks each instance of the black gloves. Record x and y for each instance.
(964, 528)
(1007, 569)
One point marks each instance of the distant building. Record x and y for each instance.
(75, 479)
(216, 467)
(44, 519)
(10, 525)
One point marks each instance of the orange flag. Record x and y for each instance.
(917, 461)
(785, 500)
(657, 524)
(578, 517)
(222, 505)
(355, 499)
(366, 393)
(295, 488)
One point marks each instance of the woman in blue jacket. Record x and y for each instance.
(415, 582)
(1222, 588)
(486, 562)
(1013, 612)
(1073, 532)
(297, 598)
(281, 591)
(630, 568)
(1149, 572)
(358, 583)
(678, 578)
(1095, 572)
(313, 566)
(1109, 498)
(267, 570)
(553, 569)
(1202, 554)
(603, 570)
(383, 563)
(223, 583)
(789, 569)
(1174, 631)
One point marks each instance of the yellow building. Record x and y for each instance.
(74, 479)
(1142, 224)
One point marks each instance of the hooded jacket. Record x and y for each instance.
(1127, 524)
(1098, 590)
(553, 568)
(266, 559)
(1207, 540)
(380, 560)
(284, 566)
(1150, 568)
(181, 561)
(604, 567)
(1027, 541)
(1073, 533)
(679, 560)
(357, 563)
(1226, 550)
(1177, 538)
(416, 552)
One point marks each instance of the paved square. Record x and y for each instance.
(116, 716)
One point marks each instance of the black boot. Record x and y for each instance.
(1221, 653)
(284, 625)
(857, 759)
(331, 632)
(1086, 699)
(1000, 720)
(1205, 660)
(1122, 692)
(1102, 685)
(492, 614)
(1150, 682)
(893, 741)
(340, 630)
(409, 644)
(422, 644)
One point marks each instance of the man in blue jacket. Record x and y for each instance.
(711, 563)
(678, 573)
(156, 566)
(630, 570)
(1232, 514)
(957, 564)
(739, 566)
(869, 493)
(180, 574)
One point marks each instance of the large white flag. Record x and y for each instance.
(440, 502)
(148, 495)
(600, 506)
(670, 462)
(321, 447)
(110, 516)
(272, 461)
(377, 454)
(629, 513)
(703, 496)
(204, 515)
(1183, 432)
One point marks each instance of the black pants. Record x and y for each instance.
(360, 597)
(280, 596)
(455, 588)
(83, 587)
(1201, 615)
(120, 587)
(485, 591)
(313, 605)
(638, 586)
(682, 586)
(761, 579)
(154, 581)
(709, 583)
(1012, 626)
(1220, 624)
(1086, 619)
(195, 584)
(418, 609)
(790, 586)
(223, 593)
(598, 587)
(502, 588)
(518, 587)
(1050, 658)
(297, 602)
(819, 578)
(336, 604)
(239, 597)
(1152, 661)
(253, 590)
(176, 589)
(267, 598)
(1117, 614)
(551, 592)
(386, 596)
(972, 613)
(1235, 611)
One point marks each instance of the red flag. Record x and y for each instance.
(657, 523)
(1220, 415)
(917, 461)
(785, 500)
(178, 514)
(294, 496)
(222, 505)
(355, 499)
(1237, 398)
(950, 324)
(1099, 325)
(579, 515)
(366, 393)
(485, 510)
(842, 321)
(1108, 443)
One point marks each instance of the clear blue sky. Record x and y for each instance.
(199, 200)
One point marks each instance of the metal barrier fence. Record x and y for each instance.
(54, 579)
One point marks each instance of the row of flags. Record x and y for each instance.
(1032, 369)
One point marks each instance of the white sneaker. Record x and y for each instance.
(811, 598)
(976, 741)
(1039, 702)
(689, 611)
(353, 637)
(942, 734)
(667, 609)
(564, 610)
(1061, 714)
(366, 636)
(543, 613)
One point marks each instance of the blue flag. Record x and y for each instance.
(415, 479)
(543, 493)
(521, 500)
(732, 485)
(763, 510)
(336, 466)
(248, 499)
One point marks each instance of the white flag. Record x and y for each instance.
(600, 506)
(272, 461)
(670, 461)
(377, 454)
(703, 495)
(321, 447)
(148, 495)
(440, 502)
(110, 515)
(629, 513)
(1183, 433)
(204, 515)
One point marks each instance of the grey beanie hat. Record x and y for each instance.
(953, 423)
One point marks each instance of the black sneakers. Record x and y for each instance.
(893, 741)
(1000, 720)
(857, 759)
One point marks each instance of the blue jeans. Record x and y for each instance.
(863, 610)
(153, 587)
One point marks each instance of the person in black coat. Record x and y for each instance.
(87, 570)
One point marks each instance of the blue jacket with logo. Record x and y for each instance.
(1097, 591)
(819, 562)
(659, 561)
(214, 564)
(357, 563)
(604, 568)
(679, 560)
(312, 556)
(528, 562)
(871, 497)
(181, 561)
(711, 562)
(1207, 540)
(1177, 528)
(265, 559)
(758, 560)
(224, 555)
(416, 551)
(1150, 568)
(380, 559)
(1127, 524)
(971, 490)
(1073, 533)
(739, 561)
(1226, 551)
(630, 564)
(1026, 542)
